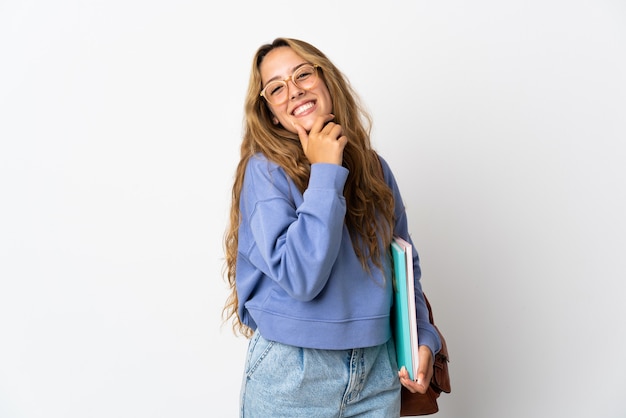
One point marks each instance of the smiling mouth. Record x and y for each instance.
(301, 109)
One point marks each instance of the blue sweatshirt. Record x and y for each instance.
(299, 280)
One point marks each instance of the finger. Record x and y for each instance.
(304, 137)
(333, 130)
(321, 122)
(413, 387)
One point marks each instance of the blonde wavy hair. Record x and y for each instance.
(369, 200)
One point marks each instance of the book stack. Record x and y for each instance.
(404, 317)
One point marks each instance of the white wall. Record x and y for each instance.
(119, 126)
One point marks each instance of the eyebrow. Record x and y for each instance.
(279, 77)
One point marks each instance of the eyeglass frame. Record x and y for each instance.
(290, 78)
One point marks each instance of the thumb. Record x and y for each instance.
(422, 380)
(425, 369)
(302, 134)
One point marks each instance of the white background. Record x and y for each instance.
(120, 123)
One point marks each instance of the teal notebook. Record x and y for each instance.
(404, 319)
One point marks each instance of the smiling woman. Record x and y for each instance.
(311, 222)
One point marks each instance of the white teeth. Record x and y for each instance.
(302, 108)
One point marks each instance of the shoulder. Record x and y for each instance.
(260, 162)
(387, 172)
(383, 162)
(261, 172)
(260, 166)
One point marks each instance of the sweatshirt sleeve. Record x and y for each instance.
(428, 335)
(295, 238)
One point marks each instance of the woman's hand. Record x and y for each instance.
(424, 372)
(324, 143)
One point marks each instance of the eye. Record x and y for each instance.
(275, 89)
(304, 73)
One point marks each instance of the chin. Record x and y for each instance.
(307, 124)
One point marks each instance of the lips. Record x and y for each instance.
(302, 108)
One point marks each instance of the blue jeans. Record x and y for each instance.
(286, 381)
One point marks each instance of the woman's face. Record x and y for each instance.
(302, 106)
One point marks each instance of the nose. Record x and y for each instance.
(294, 90)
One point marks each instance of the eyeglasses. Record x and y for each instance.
(276, 92)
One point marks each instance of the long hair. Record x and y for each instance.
(369, 200)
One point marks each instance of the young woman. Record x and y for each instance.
(314, 209)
